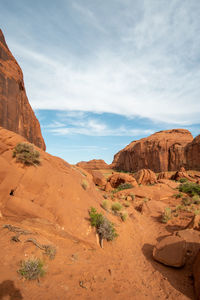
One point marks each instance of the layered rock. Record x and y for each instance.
(162, 151)
(16, 113)
(192, 153)
(94, 164)
(145, 176)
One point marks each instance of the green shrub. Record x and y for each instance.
(124, 186)
(104, 227)
(179, 195)
(32, 269)
(26, 154)
(190, 188)
(166, 215)
(116, 206)
(196, 199)
(183, 180)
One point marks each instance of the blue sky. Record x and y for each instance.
(100, 74)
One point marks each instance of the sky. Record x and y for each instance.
(100, 74)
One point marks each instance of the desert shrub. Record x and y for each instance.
(116, 207)
(179, 195)
(183, 180)
(84, 184)
(124, 216)
(190, 188)
(124, 186)
(186, 201)
(26, 154)
(166, 215)
(105, 204)
(196, 199)
(104, 227)
(32, 269)
(50, 251)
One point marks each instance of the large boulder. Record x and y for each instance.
(16, 113)
(162, 151)
(98, 178)
(182, 174)
(145, 176)
(171, 251)
(116, 179)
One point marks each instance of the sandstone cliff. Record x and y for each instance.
(162, 151)
(16, 113)
(94, 164)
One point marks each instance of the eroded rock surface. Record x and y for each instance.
(163, 151)
(16, 113)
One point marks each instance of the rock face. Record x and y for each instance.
(192, 153)
(196, 275)
(117, 179)
(16, 113)
(95, 164)
(171, 251)
(145, 176)
(162, 151)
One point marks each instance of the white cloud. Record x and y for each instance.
(92, 127)
(153, 72)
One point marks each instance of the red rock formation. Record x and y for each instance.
(192, 153)
(16, 113)
(160, 152)
(98, 178)
(145, 176)
(95, 164)
(117, 179)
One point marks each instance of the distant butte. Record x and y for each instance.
(16, 113)
(162, 151)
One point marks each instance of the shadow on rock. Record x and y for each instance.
(7, 288)
(179, 278)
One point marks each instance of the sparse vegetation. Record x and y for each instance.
(106, 205)
(196, 199)
(183, 180)
(50, 251)
(26, 154)
(186, 201)
(124, 216)
(84, 184)
(177, 196)
(124, 186)
(104, 227)
(116, 207)
(145, 200)
(190, 188)
(166, 215)
(32, 268)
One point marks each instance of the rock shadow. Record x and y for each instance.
(7, 288)
(180, 278)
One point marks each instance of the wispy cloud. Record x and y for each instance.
(143, 61)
